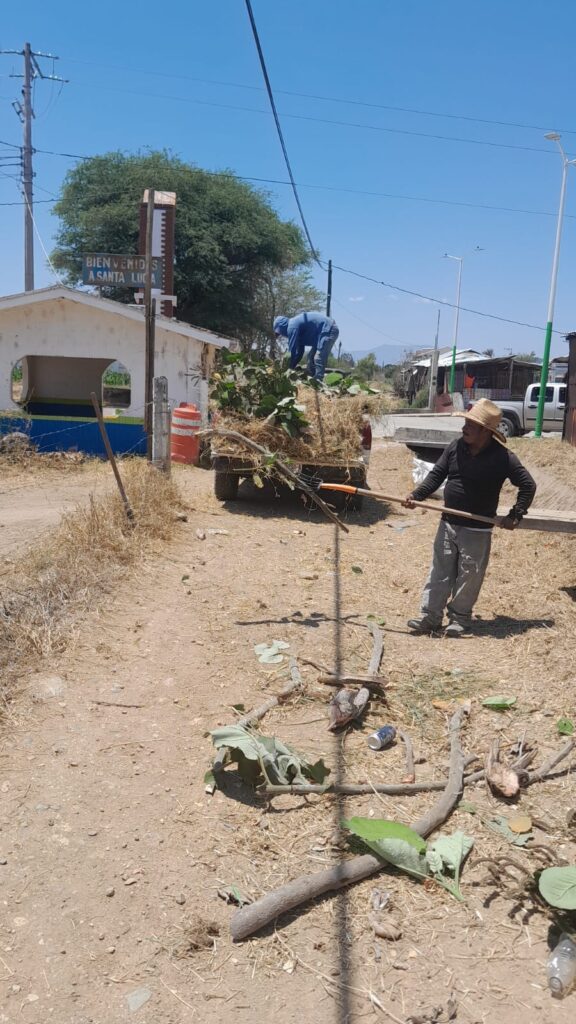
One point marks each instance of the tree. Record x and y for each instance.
(229, 239)
(488, 352)
(367, 367)
(528, 357)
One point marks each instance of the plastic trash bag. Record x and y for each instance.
(420, 470)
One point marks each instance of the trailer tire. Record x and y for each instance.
(226, 485)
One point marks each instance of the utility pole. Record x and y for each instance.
(434, 368)
(329, 289)
(32, 70)
(150, 317)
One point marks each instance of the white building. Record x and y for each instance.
(64, 341)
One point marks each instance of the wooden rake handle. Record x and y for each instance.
(347, 489)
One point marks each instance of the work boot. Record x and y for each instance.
(423, 626)
(456, 629)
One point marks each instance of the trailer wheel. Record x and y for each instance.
(507, 427)
(226, 485)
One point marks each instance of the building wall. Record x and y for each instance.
(71, 345)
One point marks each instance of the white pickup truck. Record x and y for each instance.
(520, 417)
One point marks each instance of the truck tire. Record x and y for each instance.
(226, 485)
(508, 426)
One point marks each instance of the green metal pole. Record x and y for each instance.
(452, 372)
(543, 381)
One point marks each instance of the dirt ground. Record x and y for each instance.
(112, 854)
(34, 497)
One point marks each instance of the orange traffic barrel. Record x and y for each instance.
(184, 440)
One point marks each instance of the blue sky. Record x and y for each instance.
(188, 79)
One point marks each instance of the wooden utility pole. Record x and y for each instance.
(32, 71)
(150, 317)
(329, 289)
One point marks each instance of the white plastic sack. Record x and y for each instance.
(420, 470)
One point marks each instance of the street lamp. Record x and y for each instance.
(460, 260)
(554, 137)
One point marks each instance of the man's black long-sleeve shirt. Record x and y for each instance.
(474, 482)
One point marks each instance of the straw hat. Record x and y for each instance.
(488, 415)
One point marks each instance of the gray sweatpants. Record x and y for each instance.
(459, 563)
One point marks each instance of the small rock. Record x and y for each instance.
(93, 832)
(181, 899)
(111, 949)
(111, 891)
(3, 860)
(308, 575)
(137, 998)
(130, 881)
(201, 534)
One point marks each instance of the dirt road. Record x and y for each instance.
(32, 500)
(112, 854)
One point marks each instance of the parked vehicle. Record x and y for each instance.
(520, 417)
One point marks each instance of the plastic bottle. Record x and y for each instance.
(562, 967)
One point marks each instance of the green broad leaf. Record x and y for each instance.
(558, 887)
(374, 829)
(209, 778)
(376, 619)
(499, 703)
(332, 378)
(565, 727)
(449, 851)
(357, 569)
(395, 843)
(319, 772)
(266, 757)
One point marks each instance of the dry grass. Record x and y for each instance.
(22, 461)
(548, 452)
(72, 568)
(333, 434)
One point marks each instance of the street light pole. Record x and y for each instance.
(554, 137)
(456, 319)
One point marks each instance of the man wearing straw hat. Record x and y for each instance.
(475, 467)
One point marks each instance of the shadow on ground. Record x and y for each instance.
(502, 626)
(277, 501)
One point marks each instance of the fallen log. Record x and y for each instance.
(252, 918)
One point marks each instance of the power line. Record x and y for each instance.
(342, 189)
(329, 99)
(279, 129)
(441, 302)
(343, 124)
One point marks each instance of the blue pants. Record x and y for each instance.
(318, 356)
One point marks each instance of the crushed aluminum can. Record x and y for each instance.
(382, 737)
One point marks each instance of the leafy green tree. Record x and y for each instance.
(367, 368)
(229, 239)
(529, 357)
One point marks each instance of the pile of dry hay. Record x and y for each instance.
(333, 434)
(70, 569)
